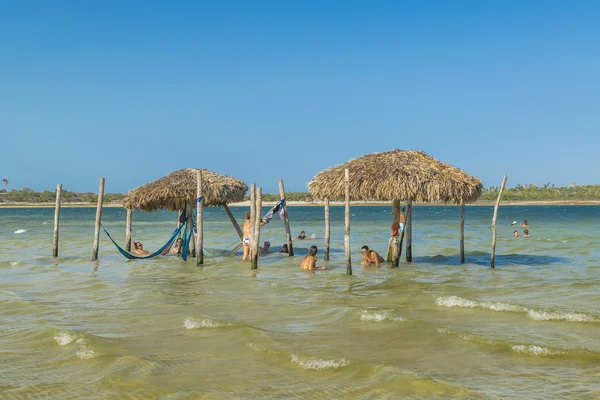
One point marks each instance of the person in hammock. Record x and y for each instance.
(138, 248)
(178, 247)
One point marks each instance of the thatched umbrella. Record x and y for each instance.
(178, 191)
(399, 175)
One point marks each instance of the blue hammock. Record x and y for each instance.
(156, 253)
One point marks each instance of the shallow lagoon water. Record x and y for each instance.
(434, 328)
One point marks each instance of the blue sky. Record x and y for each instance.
(263, 90)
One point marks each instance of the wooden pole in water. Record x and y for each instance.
(395, 241)
(256, 238)
(493, 258)
(327, 230)
(286, 220)
(252, 218)
(462, 230)
(234, 222)
(408, 228)
(56, 218)
(128, 230)
(98, 220)
(199, 220)
(347, 224)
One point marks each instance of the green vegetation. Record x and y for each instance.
(547, 192)
(27, 195)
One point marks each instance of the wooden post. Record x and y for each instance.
(347, 224)
(256, 238)
(408, 228)
(327, 230)
(128, 230)
(493, 258)
(234, 222)
(252, 217)
(286, 221)
(98, 220)
(190, 220)
(395, 241)
(199, 220)
(462, 231)
(56, 218)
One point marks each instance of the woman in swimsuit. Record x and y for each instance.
(309, 261)
(370, 257)
(178, 246)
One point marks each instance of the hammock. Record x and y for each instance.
(163, 250)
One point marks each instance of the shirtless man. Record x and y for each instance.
(246, 239)
(138, 248)
(370, 257)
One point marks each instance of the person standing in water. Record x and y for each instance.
(309, 262)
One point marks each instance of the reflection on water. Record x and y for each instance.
(435, 328)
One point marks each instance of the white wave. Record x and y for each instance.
(318, 364)
(43, 223)
(63, 338)
(455, 301)
(257, 347)
(378, 316)
(14, 263)
(192, 323)
(533, 350)
(86, 353)
(537, 315)
(21, 231)
(557, 316)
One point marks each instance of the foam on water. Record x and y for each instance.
(318, 364)
(84, 350)
(193, 323)
(534, 350)
(455, 301)
(20, 231)
(537, 315)
(378, 316)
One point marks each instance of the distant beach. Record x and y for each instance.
(332, 203)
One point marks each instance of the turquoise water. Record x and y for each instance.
(436, 329)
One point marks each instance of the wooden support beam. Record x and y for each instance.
(408, 229)
(128, 230)
(493, 257)
(199, 220)
(56, 218)
(98, 220)
(252, 218)
(256, 238)
(347, 224)
(234, 222)
(327, 230)
(462, 231)
(286, 220)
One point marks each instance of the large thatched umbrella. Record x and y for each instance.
(177, 191)
(399, 175)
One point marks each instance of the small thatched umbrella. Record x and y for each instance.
(399, 175)
(177, 191)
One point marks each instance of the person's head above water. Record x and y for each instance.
(313, 251)
(248, 214)
(515, 234)
(364, 249)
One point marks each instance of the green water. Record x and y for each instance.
(435, 329)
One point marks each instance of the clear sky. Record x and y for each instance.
(263, 90)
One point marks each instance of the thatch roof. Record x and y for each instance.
(172, 191)
(397, 175)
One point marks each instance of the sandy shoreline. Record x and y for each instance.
(316, 203)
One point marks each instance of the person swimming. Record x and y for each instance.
(178, 246)
(284, 249)
(309, 262)
(302, 235)
(516, 234)
(138, 248)
(371, 257)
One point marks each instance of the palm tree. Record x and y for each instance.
(5, 181)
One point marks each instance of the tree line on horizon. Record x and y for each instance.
(524, 193)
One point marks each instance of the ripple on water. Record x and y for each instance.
(378, 316)
(317, 364)
(193, 323)
(84, 350)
